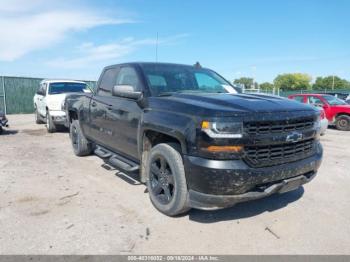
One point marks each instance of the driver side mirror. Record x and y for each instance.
(126, 91)
(39, 92)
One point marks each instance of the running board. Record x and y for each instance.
(101, 152)
(116, 160)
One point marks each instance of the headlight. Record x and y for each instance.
(317, 124)
(223, 129)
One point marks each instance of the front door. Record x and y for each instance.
(124, 115)
(114, 120)
(317, 101)
(99, 128)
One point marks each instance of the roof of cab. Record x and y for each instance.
(150, 63)
(309, 94)
(61, 81)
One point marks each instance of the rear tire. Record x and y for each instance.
(1, 130)
(166, 181)
(50, 125)
(343, 123)
(81, 146)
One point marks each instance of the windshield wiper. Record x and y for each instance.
(189, 92)
(166, 94)
(174, 92)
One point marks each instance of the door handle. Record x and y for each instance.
(109, 107)
(93, 104)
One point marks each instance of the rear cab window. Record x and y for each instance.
(66, 87)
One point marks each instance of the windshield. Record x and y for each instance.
(333, 101)
(62, 87)
(168, 79)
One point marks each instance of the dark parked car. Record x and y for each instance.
(3, 121)
(342, 96)
(193, 143)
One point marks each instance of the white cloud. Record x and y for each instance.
(28, 27)
(89, 53)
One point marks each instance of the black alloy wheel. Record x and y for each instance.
(162, 180)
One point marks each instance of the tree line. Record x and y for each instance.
(296, 81)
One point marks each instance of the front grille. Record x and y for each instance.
(266, 127)
(270, 155)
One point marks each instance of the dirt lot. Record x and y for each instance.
(52, 202)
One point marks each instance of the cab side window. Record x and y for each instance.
(313, 100)
(42, 89)
(107, 82)
(128, 76)
(39, 89)
(299, 99)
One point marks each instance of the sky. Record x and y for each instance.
(236, 38)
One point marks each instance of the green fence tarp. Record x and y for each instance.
(20, 92)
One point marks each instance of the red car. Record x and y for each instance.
(336, 110)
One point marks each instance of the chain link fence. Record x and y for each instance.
(287, 93)
(16, 93)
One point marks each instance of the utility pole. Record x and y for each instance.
(333, 83)
(157, 48)
(4, 94)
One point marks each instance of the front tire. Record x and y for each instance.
(81, 146)
(50, 125)
(343, 123)
(166, 181)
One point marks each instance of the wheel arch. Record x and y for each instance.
(72, 115)
(152, 137)
(342, 114)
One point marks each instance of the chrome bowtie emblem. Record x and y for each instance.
(294, 137)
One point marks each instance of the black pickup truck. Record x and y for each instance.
(195, 142)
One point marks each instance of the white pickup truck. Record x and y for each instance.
(49, 100)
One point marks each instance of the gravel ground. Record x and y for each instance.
(52, 202)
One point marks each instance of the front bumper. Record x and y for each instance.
(58, 117)
(217, 184)
(211, 202)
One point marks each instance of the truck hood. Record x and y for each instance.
(54, 102)
(228, 104)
